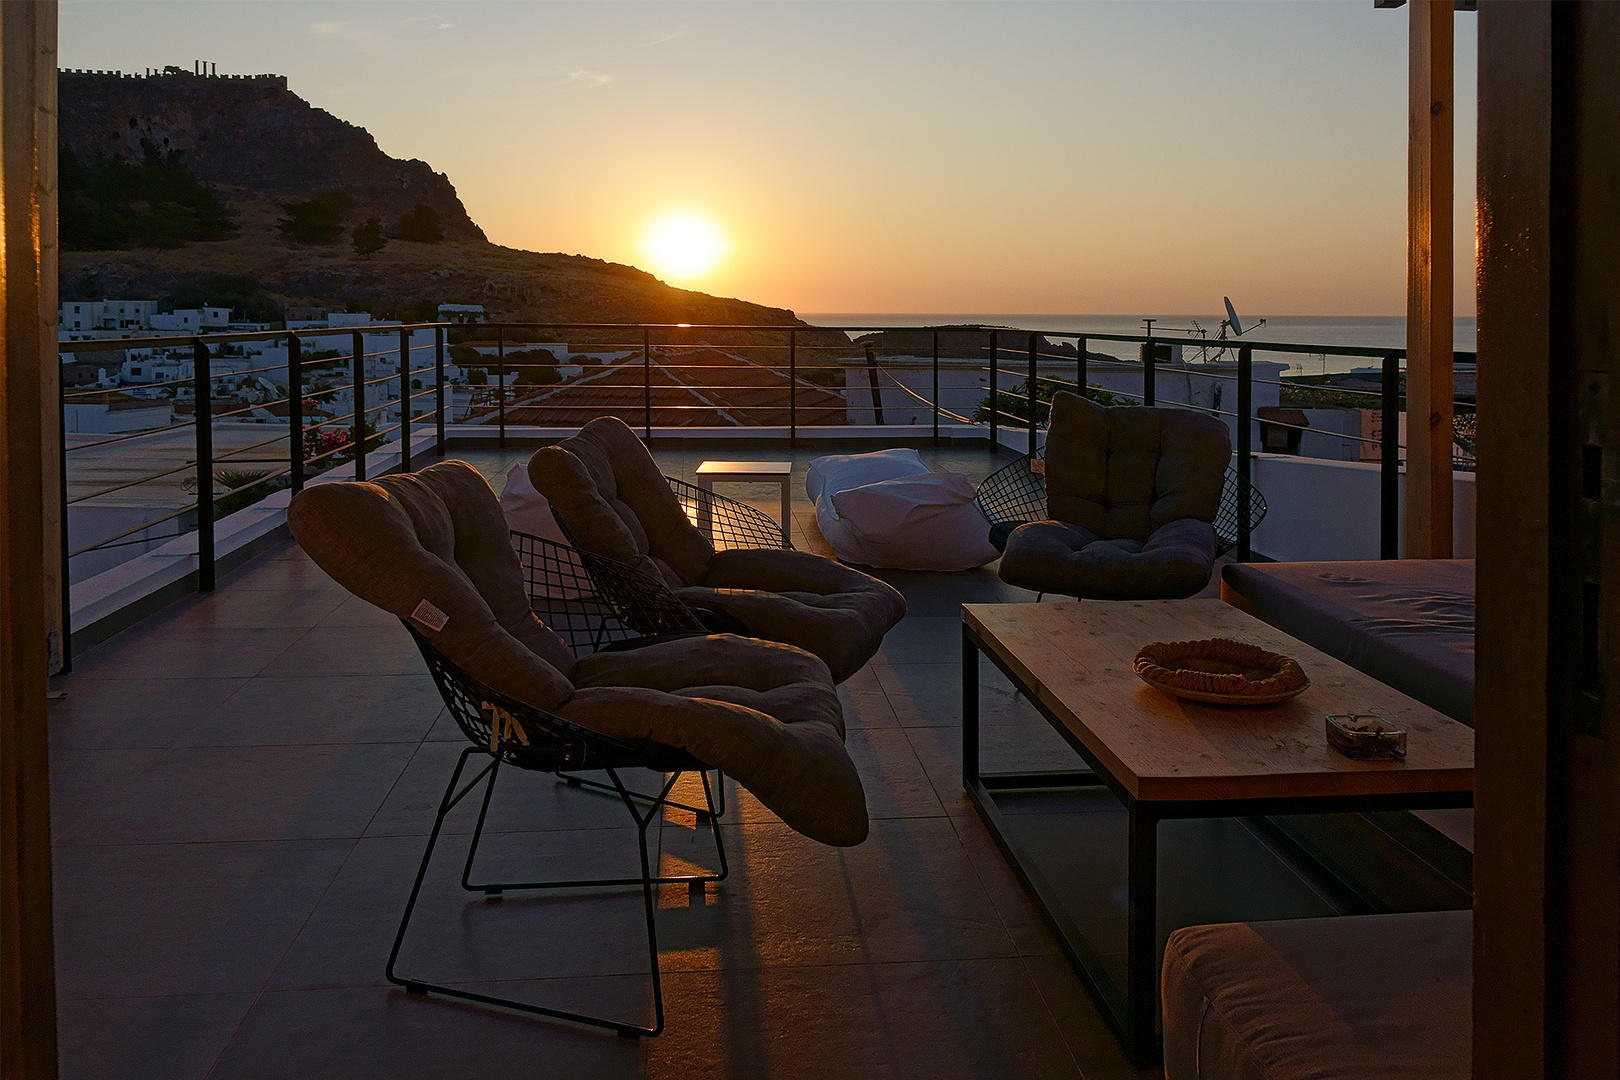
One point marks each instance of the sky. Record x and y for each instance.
(1076, 157)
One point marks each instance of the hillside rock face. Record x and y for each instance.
(254, 133)
(259, 147)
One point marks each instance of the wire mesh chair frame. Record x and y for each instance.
(1016, 493)
(729, 523)
(595, 602)
(551, 744)
(640, 604)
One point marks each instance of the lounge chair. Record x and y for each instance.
(433, 548)
(608, 495)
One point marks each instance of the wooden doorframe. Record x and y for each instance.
(27, 243)
(1547, 824)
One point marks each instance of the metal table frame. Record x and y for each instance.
(1133, 1015)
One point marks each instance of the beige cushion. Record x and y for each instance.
(765, 714)
(439, 536)
(1366, 997)
(822, 606)
(1123, 472)
(607, 489)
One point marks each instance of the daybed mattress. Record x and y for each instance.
(1361, 997)
(1406, 622)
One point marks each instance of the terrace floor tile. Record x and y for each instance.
(243, 786)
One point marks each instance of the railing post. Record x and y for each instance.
(1033, 397)
(872, 381)
(936, 387)
(995, 398)
(500, 387)
(1245, 406)
(438, 367)
(1149, 376)
(793, 388)
(67, 576)
(358, 420)
(1080, 366)
(1389, 462)
(405, 400)
(646, 384)
(202, 390)
(295, 412)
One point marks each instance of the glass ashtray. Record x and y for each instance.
(1366, 736)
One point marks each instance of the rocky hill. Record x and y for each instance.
(265, 155)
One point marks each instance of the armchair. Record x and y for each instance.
(432, 547)
(607, 493)
(1131, 495)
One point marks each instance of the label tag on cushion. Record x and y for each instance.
(429, 617)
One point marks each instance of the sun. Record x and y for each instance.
(683, 245)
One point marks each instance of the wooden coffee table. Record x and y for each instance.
(1164, 758)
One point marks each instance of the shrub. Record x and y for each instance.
(368, 237)
(316, 221)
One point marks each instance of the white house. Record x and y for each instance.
(85, 315)
(113, 414)
(192, 320)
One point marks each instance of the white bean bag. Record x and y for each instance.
(916, 520)
(840, 471)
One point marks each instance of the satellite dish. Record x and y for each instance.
(1231, 317)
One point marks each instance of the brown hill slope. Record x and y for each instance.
(259, 147)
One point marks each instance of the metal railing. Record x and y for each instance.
(787, 380)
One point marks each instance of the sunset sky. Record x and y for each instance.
(920, 157)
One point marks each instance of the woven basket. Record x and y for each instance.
(1220, 670)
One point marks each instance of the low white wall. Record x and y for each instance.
(1320, 509)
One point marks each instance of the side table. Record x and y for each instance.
(748, 472)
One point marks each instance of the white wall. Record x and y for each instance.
(1328, 510)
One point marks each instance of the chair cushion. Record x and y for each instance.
(831, 610)
(609, 492)
(765, 714)
(1055, 556)
(1124, 472)
(438, 536)
(1366, 997)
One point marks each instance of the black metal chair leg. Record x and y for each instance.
(478, 834)
(646, 881)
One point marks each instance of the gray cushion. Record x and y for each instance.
(1405, 622)
(1368, 997)
(1124, 472)
(1053, 556)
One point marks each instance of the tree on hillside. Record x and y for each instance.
(116, 205)
(422, 225)
(316, 221)
(368, 237)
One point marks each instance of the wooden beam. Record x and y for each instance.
(27, 967)
(1427, 528)
(1510, 710)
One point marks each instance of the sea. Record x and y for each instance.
(1372, 331)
